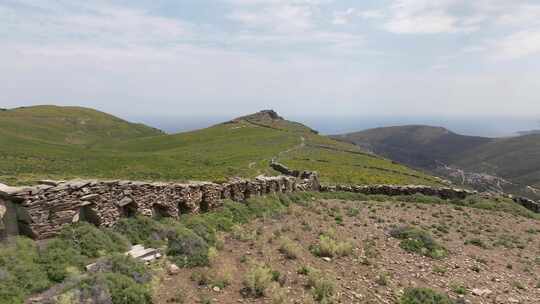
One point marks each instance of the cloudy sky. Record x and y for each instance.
(319, 57)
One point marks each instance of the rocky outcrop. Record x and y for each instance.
(394, 190)
(43, 210)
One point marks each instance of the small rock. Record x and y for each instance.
(173, 269)
(481, 292)
(216, 289)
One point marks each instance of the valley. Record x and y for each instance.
(488, 164)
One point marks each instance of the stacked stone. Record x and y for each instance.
(44, 210)
(528, 203)
(395, 190)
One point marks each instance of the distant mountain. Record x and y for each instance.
(529, 132)
(510, 164)
(70, 142)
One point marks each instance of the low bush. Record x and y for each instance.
(418, 241)
(59, 259)
(142, 230)
(240, 233)
(187, 249)
(257, 280)
(424, 296)
(265, 206)
(476, 242)
(92, 241)
(21, 273)
(202, 228)
(322, 287)
(329, 247)
(130, 267)
(112, 288)
(290, 249)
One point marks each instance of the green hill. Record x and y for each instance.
(516, 159)
(63, 143)
(68, 125)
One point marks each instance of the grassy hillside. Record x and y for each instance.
(67, 125)
(516, 159)
(104, 147)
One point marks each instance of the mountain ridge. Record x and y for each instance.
(512, 161)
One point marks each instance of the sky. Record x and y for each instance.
(350, 59)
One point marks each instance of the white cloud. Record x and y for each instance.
(520, 15)
(282, 18)
(430, 17)
(343, 17)
(518, 45)
(371, 14)
(99, 23)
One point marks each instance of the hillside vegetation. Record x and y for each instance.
(516, 159)
(69, 142)
(303, 247)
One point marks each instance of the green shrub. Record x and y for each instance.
(187, 249)
(476, 242)
(458, 288)
(112, 288)
(130, 267)
(329, 247)
(240, 233)
(142, 230)
(59, 258)
(424, 296)
(125, 291)
(290, 249)
(265, 206)
(322, 287)
(418, 241)
(20, 271)
(257, 279)
(219, 220)
(202, 228)
(92, 241)
(239, 213)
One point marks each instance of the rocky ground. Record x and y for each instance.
(492, 257)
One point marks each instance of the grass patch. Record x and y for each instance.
(257, 280)
(418, 241)
(322, 287)
(424, 296)
(329, 247)
(289, 248)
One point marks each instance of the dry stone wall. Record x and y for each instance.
(42, 211)
(394, 190)
(528, 203)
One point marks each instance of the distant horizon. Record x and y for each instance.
(486, 126)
